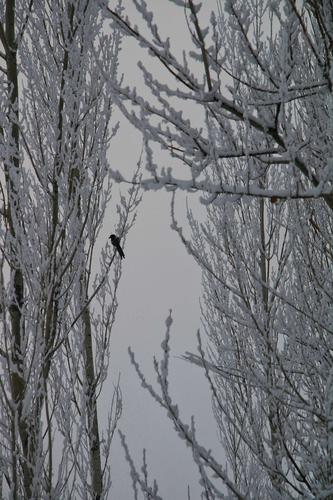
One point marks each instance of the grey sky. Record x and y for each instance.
(158, 274)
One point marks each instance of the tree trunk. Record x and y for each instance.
(92, 416)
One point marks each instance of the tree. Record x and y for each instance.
(58, 288)
(260, 75)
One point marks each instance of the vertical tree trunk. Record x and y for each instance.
(272, 408)
(92, 415)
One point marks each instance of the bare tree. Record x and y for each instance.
(259, 74)
(58, 280)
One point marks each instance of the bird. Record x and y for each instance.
(116, 243)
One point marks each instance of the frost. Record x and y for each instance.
(55, 192)
(246, 116)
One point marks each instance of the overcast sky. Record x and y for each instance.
(158, 275)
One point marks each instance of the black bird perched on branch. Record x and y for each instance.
(116, 243)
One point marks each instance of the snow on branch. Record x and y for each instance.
(252, 92)
(202, 457)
